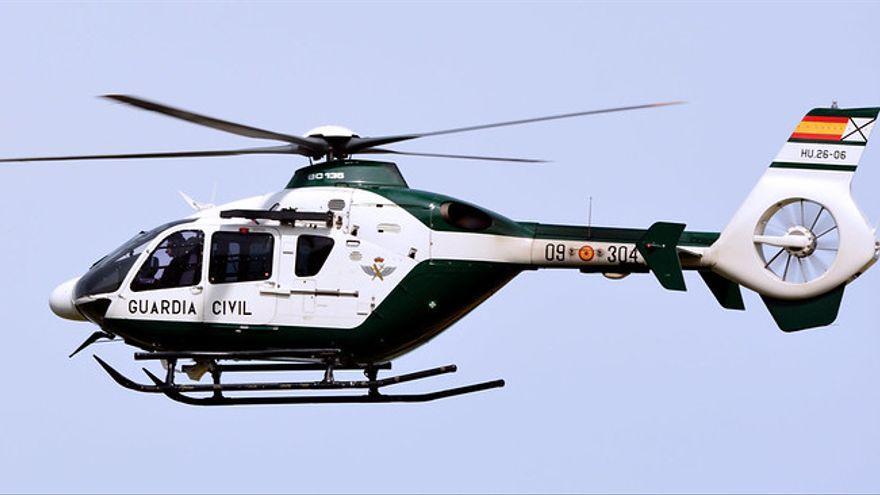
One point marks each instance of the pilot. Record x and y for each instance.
(183, 264)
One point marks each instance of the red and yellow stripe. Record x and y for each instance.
(821, 128)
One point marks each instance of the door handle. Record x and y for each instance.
(197, 289)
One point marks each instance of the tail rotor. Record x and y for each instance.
(798, 240)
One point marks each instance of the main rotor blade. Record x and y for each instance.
(359, 144)
(284, 150)
(310, 144)
(383, 151)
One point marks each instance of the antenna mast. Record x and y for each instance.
(590, 219)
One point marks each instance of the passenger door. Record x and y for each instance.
(241, 267)
(314, 289)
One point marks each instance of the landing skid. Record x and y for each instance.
(294, 361)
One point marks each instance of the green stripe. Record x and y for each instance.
(814, 166)
(348, 173)
(870, 112)
(425, 206)
(613, 234)
(839, 143)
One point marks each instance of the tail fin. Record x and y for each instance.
(799, 237)
(659, 248)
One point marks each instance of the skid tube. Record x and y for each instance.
(372, 385)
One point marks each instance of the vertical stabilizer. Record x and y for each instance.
(799, 236)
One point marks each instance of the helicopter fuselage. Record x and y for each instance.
(389, 269)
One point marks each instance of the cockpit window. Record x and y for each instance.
(311, 253)
(239, 257)
(107, 274)
(176, 262)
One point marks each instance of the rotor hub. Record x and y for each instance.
(337, 139)
(331, 131)
(809, 248)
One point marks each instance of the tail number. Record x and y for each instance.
(613, 254)
(622, 254)
(823, 154)
(554, 252)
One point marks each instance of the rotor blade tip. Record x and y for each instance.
(668, 103)
(121, 98)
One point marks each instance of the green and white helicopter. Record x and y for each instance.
(347, 267)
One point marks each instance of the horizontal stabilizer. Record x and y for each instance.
(818, 311)
(659, 248)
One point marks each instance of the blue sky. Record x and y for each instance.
(611, 386)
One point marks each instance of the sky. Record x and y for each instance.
(612, 386)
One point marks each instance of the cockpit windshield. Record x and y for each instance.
(107, 274)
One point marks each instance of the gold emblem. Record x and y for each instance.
(378, 269)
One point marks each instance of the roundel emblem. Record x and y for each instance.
(586, 253)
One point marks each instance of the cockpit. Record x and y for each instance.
(108, 273)
(199, 267)
(176, 262)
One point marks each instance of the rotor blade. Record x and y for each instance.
(789, 214)
(310, 144)
(288, 149)
(803, 272)
(825, 221)
(767, 265)
(776, 223)
(815, 220)
(383, 151)
(817, 264)
(832, 229)
(359, 144)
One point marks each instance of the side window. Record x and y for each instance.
(311, 253)
(177, 262)
(237, 257)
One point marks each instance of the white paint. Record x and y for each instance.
(330, 131)
(820, 154)
(61, 301)
(858, 130)
(735, 256)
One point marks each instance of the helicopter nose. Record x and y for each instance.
(61, 301)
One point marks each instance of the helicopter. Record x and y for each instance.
(348, 268)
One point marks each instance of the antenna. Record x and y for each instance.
(590, 219)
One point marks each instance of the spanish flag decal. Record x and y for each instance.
(816, 128)
(828, 139)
